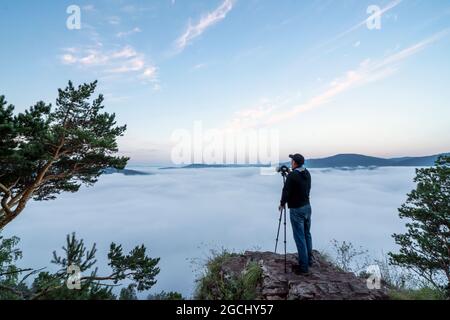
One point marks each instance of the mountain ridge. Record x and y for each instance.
(343, 160)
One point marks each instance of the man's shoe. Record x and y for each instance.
(299, 271)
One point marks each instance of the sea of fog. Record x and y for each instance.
(182, 214)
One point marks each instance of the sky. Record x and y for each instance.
(313, 70)
(357, 206)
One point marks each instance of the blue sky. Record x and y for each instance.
(310, 69)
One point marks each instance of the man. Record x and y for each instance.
(296, 195)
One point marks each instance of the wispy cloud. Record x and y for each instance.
(114, 20)
(363, 23)
(125, 52)
(124, 34)
(134, 10)
(87, 58)
(126, 60)
(195, 30)
(253, 116)
(89, 8)
(199, 66)
(391, 5)
(132, 65)
(367, 71)
(68, 58)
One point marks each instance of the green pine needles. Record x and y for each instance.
(47, 150)
(425, 247)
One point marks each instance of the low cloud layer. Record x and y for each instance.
(180, 214)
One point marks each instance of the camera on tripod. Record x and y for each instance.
(284, 170)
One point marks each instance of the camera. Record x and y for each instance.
(284, 170)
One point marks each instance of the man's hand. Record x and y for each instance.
(281, 207)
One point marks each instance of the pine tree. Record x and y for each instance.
(45, 151)
(425, 247)
(136, 268)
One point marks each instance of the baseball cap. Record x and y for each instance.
(298, 158)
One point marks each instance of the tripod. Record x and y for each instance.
(282, 213)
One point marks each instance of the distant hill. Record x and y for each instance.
(126, 172)
(203, 166)
(358, 160)
(347, 160)
(339, 161)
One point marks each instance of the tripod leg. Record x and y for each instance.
(278, 233)
(285, 249)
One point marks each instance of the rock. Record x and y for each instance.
(325, 281)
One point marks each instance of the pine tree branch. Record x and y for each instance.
(12, 290)
(46, 291)
(4, 202)
(28, 192)
(14, 272)
(429, 278)
(30, 274)
(90, 279)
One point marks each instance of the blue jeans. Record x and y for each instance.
(301, 226)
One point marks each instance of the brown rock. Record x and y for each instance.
(325, 281)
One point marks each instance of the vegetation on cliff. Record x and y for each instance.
(214, 284)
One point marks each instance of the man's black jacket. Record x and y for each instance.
(297, 188)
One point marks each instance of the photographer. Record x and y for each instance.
(296, 195)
